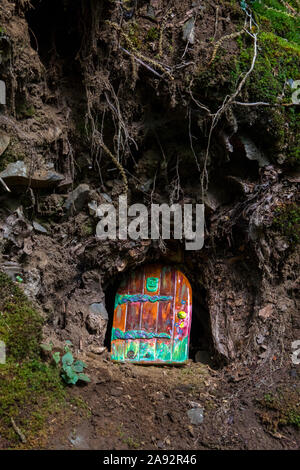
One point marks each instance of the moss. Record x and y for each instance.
(30, 389)
(12, 154)
(287, 221)
(281, 408)
(153, 34)
(277, 62)
(87, 228)
(20, 323)
(278, 19)
(24, 110)
(29, 392)
(134, 35)
(292, 140)
(277, 65)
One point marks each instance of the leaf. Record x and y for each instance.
(46, 347)
(80, 363)
(68, 343)
(70, 374)
(56, 357)
(68, 359)
(84, 377)
(77, 367)
(70, 380)
(68, 370)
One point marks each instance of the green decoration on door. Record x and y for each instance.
(152, 284)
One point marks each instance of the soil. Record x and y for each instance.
(109, 104)
(145, 407)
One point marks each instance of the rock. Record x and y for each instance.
(266, 311)
(116, 392)
(32, 284)
(99, 309)
(65, 184)
(17, 169)
(11, 269)
(106, 197)
(230, 419)
(77, 199)
(260, 339)
(17, 174)
(151, 12)
(97, 349)
(92, 206)
(39, 228)
(97, 318)
(252, 152)
(16, 228)
(4, 142)
(194, 404)
(188, 31)
(281, 244)
(79, 442)
(195, 416)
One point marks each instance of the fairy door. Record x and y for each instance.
(152, 317)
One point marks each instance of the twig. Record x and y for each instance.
(4, 185)
(200, 105)
(137, 54)
(261, 103)
(18, 431)
(228, 100)
(191, 141)
(161, 33)
(220, 41)
(216, 22)
(141, 62)
(118, 165)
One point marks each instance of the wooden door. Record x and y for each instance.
(152, 317)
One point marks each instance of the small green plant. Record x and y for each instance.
(153, 34)
(71, 370)
(287, 221)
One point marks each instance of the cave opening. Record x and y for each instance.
(54, 31)
(201, 343)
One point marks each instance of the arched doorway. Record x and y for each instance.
(152, 317)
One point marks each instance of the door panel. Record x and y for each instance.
(181, 331)
(150, 311)
(152, 317)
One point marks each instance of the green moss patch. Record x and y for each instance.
(287, 221)
(281, 408)
(30, 390)
(278, 18)
(277, 62)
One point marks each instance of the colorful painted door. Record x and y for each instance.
(152, 317)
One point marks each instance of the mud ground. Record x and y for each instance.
(145, 407)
